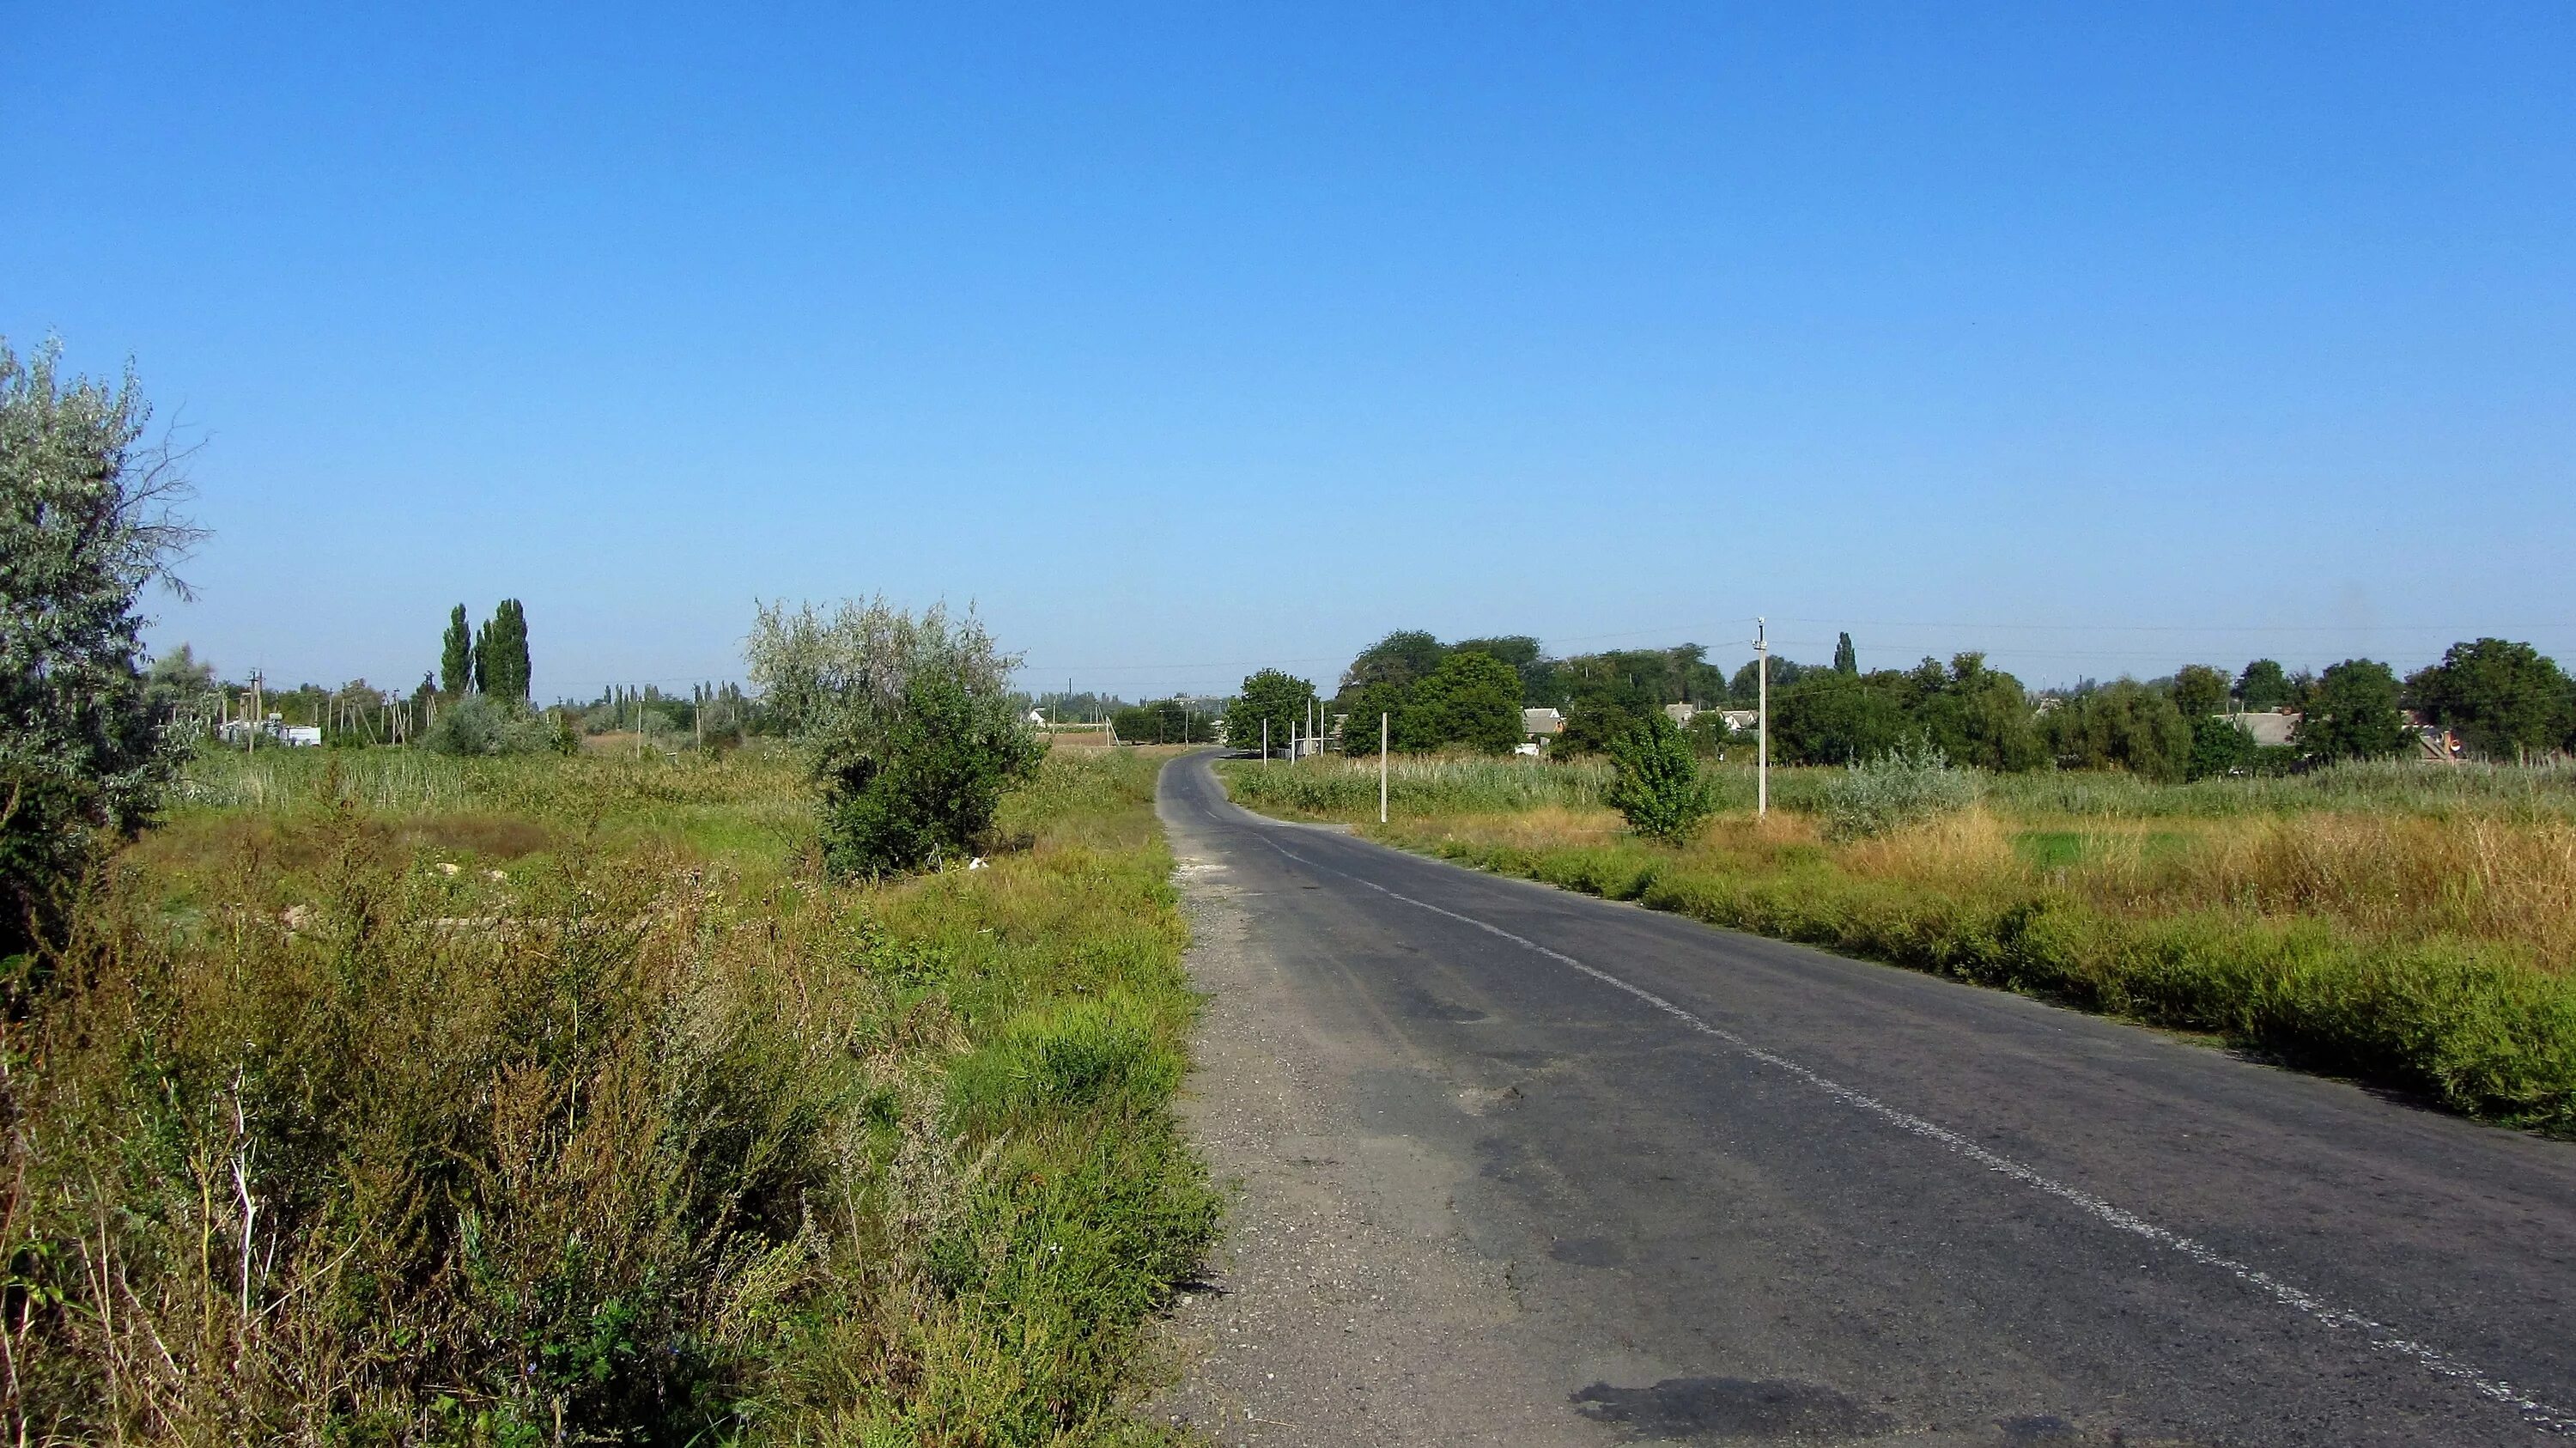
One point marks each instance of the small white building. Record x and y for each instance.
(301, 736)
(1681, 714)
(1541, 723)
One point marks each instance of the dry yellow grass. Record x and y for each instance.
(2482, 877)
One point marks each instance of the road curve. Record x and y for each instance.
(1747, 1191)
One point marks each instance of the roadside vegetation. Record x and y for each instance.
(2411, 925)
(538, 1100)
(813, 1088)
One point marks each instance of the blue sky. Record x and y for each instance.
(1183, 339)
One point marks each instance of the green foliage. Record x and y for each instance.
(1168, 721)
(1366, 707)
(2262, 687)
(1537, 672)
(2354, 715)
(1832, 718)
(456, 655)
(1403, 658)
(2199, 691)
(2506, 699)
(1657, 786)
(85, 526)
(910, 724)
(931, 791)
(1273, 697)
(1846, 658)
(500, 653)
(608, 1150)
(1596, 720)
(2220, 746)
(1471, 699)
(482, 725)
(2124, 725)
(1911, 784)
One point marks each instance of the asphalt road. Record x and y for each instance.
(1726, 1189)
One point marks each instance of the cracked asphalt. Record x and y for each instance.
(1517, 1166)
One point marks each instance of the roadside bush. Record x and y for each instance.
(909, 724)
(1908, 785)
(931, 790)
(1657, 787)
(478, 726)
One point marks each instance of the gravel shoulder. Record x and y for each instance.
(1346, 1304)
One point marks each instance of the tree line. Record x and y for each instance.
(2503, 700)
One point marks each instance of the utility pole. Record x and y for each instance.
(258, 715)
(1382, 731)
(1265, 741)
(1762, 747)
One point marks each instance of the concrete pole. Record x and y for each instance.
(1382, 731)
(1762, 755)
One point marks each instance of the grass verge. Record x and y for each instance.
(2405, 940)
(545, 1103)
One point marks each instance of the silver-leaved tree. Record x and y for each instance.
(87, 523)
(909, 723)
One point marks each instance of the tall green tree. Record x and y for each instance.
(1401, 658)
(1846, 658)
(2263, 686)
(1829, 718)
(88, 521)
(1366, 706)
(2353, 714)
(2123, 725)
(501, 653)
(1278, 698)
(2505, 698)
(1472, 699)
(1978, 716)
(2199, 691)
(456, 655)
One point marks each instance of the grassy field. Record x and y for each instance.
(2401, 924)
(385, 1099)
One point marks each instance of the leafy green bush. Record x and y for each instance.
(480, 726)
(910, 725)
(930, 791)
(1657, 785)
(1908, 785)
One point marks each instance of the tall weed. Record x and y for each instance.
(339, 1146)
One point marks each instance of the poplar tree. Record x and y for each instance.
(456, 655)
(501, 652)
(1846, 658)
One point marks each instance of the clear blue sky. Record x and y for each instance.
(1180, 339)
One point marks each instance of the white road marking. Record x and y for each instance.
(2540, 1415)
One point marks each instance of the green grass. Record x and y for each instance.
(390, 1099)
